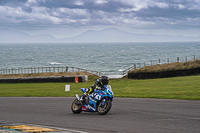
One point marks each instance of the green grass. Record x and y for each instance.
(166, 88)
(187, 88)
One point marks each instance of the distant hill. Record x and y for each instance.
(106, 35)
(9, 36)
(116, 35)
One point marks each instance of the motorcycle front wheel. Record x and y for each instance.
(103, 109)
(76, 108)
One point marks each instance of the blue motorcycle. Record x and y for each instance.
(99, 101)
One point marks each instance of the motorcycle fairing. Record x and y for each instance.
(96, 96)
(88, 108)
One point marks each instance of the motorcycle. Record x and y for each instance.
(99, 101)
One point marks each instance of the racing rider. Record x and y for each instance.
(99, 84)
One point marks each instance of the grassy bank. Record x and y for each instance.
(187, 88)
(169, 67)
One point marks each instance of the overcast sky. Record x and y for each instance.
(65, 18)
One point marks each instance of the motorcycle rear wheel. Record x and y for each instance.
(76, 109)
(103, 109)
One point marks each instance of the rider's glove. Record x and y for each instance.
(88, 90)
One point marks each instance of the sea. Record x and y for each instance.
(102, 57)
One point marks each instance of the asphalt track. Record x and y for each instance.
(127, 115)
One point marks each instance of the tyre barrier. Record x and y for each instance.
(164, 74)
(45, 79)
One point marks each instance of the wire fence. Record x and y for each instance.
(110, 74)
(166, 61)
(119, 74)
(45, 70)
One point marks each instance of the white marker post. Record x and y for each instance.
(67, 87)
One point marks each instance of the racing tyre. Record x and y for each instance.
(103, 109)
(76, 107)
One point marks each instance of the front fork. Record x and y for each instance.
(103, 102)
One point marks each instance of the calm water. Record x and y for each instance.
(96, 56)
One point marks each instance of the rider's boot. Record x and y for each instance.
(82, 97)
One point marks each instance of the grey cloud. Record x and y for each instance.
(135, 13)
